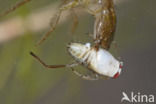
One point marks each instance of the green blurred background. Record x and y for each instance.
(24, 81)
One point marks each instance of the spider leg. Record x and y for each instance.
(86, 77)
(75, 21)
(15, 7)
(56, 19)
(52, 28)
(51, 66)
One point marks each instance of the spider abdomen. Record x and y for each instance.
(100, 61)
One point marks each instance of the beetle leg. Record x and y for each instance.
(116, 47)
(70, 5)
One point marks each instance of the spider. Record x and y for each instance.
(100, 62)
(102, 10)
(96, 58)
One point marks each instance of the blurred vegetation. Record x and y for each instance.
(24, 81)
